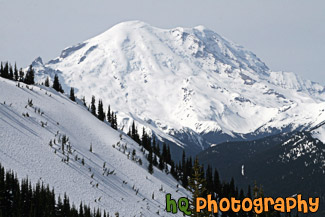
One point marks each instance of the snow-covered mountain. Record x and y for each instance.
(34, 123)
(189, 86)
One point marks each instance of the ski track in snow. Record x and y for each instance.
(25, 149)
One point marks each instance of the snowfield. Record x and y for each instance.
(122, 185)
(187, 85)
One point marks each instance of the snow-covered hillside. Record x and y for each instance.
(188, 85)
(105, 178)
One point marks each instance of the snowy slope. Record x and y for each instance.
(24, 147)
(188, 85)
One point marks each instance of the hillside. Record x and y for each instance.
(285, 164)
(35, 121)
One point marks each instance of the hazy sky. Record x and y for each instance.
(288, 35)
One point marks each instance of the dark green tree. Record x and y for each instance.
(72, 97)
(11, 73)
(197, 187)
(109, 117)
(93, 106)
(150, 159)
(1, 70)
(29, 77)
(16, 75)
(100, 111)
(47, 82)
(5, 71)
(56, 84)
(21, 75)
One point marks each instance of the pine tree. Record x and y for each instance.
(161, 163)
(150, 167)
(109, 117)
(164, 152)
(216, 184)
(168, 157)
(101, 113)
(16, 75)
(209, 180)
(11, 73)
(184, 171)
(29, 77)
(1, 70)
(5, 71)
(72, 97)
(47, 82)
(155, 161)
(84, 101)
(197, 187)
(21, 75)
(114, 121)
(93, 106)
(23, 200)
(133, 131)
(56, 84)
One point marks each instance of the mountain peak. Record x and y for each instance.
(188, 80)
(37, 61)
(134, 24)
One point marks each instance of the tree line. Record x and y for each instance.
(12, 73)
(22, 199)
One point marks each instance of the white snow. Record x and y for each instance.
(24, 148)
(243, 170)
(188, 80)
(299, 146)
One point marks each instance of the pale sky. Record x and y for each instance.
(288, 35)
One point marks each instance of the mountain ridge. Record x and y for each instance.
(189, 86)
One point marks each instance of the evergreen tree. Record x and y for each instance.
(184, 171)
(11, 73)
(161, 163)
(164, 152)
(155, 161)
(29, 77)
(23, 200)
(5, 71)
(47, 82)
(1, 70)
(16, 75)
(84, 101)
(134, 131)
(197, 187)
(101, 113)
(150, 166)
(56, 84)
(209, 180)
(93, 106)
(216, 184)
(109, 118)
(168, 156)
(114, 121)
(21, 75)
(72, 97)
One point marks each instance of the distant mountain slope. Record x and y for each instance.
(105, 178)
(190, 86)
(284, 164)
